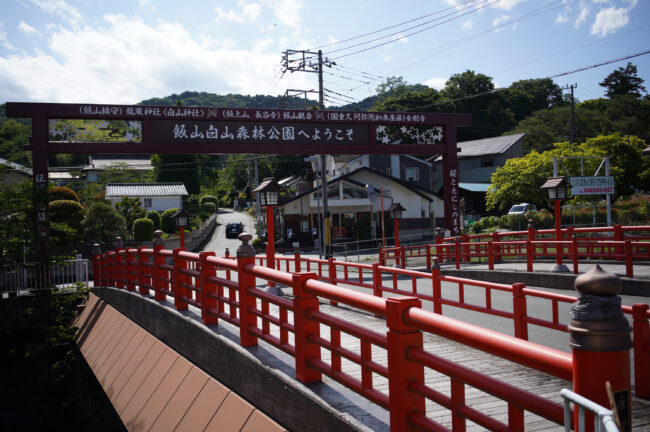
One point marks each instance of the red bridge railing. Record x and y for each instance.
(626, 243)
(225, 288)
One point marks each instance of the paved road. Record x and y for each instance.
(219, 242)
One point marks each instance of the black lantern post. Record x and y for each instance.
(269, 191)
(557, 191)
(181, 217)
(395, 211)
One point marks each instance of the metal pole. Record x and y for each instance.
(326, 241)
(257, 196)
(608, 196)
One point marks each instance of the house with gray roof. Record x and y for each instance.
(12, 172)
(477, 161)
(152, 196)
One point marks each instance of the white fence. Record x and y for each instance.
(21, 278)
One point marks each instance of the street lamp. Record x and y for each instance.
(268, 191)
(181, 217)
(395, 211)
(557, 191)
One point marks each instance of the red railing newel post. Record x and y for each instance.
(112, 272)
(402, 257)
(381, 256)
(618, 236)
(178, 279)
(402, 371)
(331, 275)
(376, 282)
(529, 255)
(296, 256)
(629, 264)
(437, 288)
(208, 290)
(458, 422)
(305, 328)
(245, 258)
(641, 338)
(519, 310)
(119, 259)
(490, 255)
(497, 247)
(573, 248)
(131, 267)
(142, 278)
(457, 252)
(428, 253)
(158, 261)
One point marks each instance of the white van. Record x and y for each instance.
(521, 208)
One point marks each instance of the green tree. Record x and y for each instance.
(14, 136)
(66, 217)
(167, 222)
(178, 168)
(623, 81)
(143, 230)
(130, 210)
(519, 180)
(103, 223)
(527, 96)
(16, 220)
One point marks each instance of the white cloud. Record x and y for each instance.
(436, 83)
(400, 37)
(507, 4)
(249, 13)
(126, 60)
(498, 21)
(60, 9)
(467, 25)
(609, 20)
(561, 18)
(26, 28)
(286, 11)
(582, 16)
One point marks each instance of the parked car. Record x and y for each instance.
(233, 229)
(521, 208)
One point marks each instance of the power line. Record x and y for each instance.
(390, 27)
(409, 34)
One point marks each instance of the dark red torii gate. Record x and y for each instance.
(186, 130)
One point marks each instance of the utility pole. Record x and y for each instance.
(573, 111)
(304, 63)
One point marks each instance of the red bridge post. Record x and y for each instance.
(158, 260)
(304, 328)
(641, 332)
(208, 290)
(245, 257)
(401, 370)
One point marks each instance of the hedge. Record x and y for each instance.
(57, 193)
(167, 222)
(154, 217)
(209, 198)
(209, 207)
(143, 229)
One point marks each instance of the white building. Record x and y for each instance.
(152, 196)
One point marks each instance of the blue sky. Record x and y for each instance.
(119, 51)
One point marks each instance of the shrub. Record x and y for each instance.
(103, 223)
(154, 217)
(68, 212)
(209, 207)
(167, 222)
(62, 193)
(191, 203)
(258, 243)
(143, 229)
(209, 198)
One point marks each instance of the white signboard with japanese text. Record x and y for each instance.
(592, 185)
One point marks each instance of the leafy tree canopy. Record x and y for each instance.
(519, 180)
(103, 223)
(623, 81)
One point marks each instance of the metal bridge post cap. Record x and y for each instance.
(119, 243)
(157, 240)
(245, 250)
(96, 249)
(597, 322)
(531, 224)
(435, 265)
(598, 282)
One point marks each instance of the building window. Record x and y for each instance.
(485, 163)
(147, 203)
(412, 173)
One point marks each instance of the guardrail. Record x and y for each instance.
(603, 420)
(530, 246)
(18, 278)
(208, 282)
